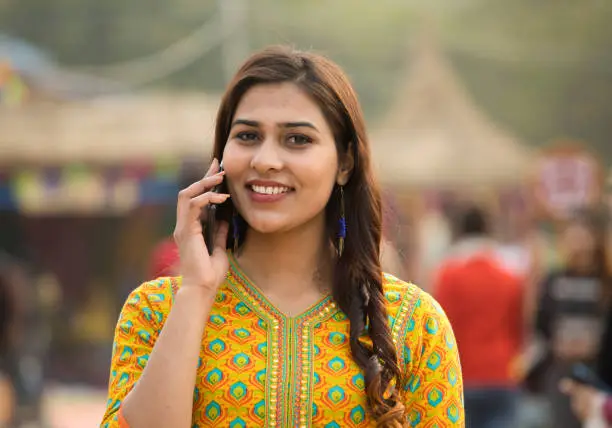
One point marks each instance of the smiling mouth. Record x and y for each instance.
(270, 190)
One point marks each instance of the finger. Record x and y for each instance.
(202, 185)
(214, 167)
(195, 189)
(197, 204)
(221, 238)
(204, 199)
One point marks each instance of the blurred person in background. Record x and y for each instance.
(590, 405)
(9, 316)
(522, 249)
(21, 343)
(572, 311)
(483, 301)
(211, 348)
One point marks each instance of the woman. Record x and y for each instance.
(572, 310)
(291, 327)
(21, 386)
(588, 403)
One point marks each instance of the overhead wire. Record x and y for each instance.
(165, 62)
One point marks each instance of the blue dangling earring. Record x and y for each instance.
(341, 224)
(236, 231)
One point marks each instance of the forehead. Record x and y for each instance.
(282, 102)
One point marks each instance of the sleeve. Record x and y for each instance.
(433, 383)
(136, 332)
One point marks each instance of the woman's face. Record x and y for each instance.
(280, 159)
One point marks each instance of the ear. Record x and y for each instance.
(346, 166)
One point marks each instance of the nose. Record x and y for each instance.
(267, 157)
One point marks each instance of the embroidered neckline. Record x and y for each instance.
(324, 304)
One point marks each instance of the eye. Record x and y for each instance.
(299, 139)
(247, 136)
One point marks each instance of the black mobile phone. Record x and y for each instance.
(211, 218)
(583, 374)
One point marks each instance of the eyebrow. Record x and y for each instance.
(256, 124)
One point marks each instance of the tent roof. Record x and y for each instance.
(434, 134)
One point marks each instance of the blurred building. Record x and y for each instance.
(88, 180)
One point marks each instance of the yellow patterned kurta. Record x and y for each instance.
(258, 367)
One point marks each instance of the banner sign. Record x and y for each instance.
(567, 178)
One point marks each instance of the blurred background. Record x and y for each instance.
(106, 108)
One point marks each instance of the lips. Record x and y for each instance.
(267, 191)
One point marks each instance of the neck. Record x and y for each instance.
(301, 257)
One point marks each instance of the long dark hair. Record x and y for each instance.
(357, 284)
(597, 222)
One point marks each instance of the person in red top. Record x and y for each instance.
(484, 303)
(164, 259)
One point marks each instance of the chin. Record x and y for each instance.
(269, 224)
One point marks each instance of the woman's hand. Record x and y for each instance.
(198, 269)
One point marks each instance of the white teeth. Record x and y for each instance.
(269, 190)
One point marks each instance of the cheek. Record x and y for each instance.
(231, 156)
(318, 170)
(320, 190)
(235, 162)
